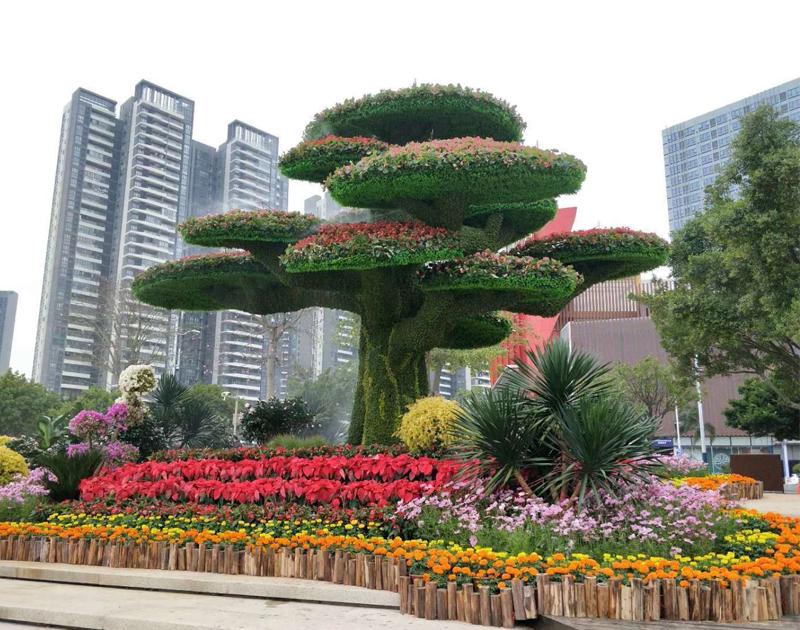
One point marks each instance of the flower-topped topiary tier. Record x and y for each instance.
(600, 254)
(421, 112)
(443, 169)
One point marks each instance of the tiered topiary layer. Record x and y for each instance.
(600, 254)
(448, 157)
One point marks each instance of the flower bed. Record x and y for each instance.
(338, 480)
(239, 227)
(476, 170)
(498, 272)
(420, 112)
(314, 160)
(732, 486)
(259, 452)
(471, 583)
(370, 245)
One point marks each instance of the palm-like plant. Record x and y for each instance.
(493, 430)
(69, 472)
(184, 420)
(557, 421)
(603, 443)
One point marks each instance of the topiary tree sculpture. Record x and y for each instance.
(448, 184)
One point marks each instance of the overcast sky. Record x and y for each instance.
(597, 79)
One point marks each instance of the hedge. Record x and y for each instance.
(601, 254)
(478, 332)
(418, 113)
(499, 272)
(523, 217)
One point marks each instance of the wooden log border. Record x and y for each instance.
(766, 599)
(738, 491)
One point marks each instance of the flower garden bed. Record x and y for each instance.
(382, 518)
(732, 486)
(440, 583)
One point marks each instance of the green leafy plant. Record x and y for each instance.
(51, 430)
(69, 472)
(494, 431)
(272, 417)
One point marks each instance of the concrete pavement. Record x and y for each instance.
(109, 608)
(787, 504)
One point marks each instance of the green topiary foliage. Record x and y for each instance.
(468, 171)
(601, 254)
(314, 160)
(480, 331)
(421, 112)
(521, 218)
(238, 228)
(416, 285)
(546, 277)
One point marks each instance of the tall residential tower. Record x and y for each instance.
(8, 312)
(78, 271)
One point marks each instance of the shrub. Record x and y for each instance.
(269, 418)
(234, 228)
(69, 472)
(291, 442)
(428, 424)
(314, 160)
(11, 465)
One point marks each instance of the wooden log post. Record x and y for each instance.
(452, 600)
(441, 603)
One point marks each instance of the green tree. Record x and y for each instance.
(22, 404)
(652, 387)
(94, 398)
(217, 399)
(444, 169)
(329, 397)
(735, 307)
(760, 411)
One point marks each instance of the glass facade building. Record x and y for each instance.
(696, 150)
(124, 182)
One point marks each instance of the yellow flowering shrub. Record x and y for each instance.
(427, 423)
(5, 439)
(11, 464)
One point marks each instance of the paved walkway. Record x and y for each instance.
(108, 608)
(788, 504)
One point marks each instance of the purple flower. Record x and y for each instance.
(22, 487)
(118, 453)
(74, 450)
(88, 425)
(116, 416)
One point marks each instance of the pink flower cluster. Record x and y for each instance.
(91, 425)
(652, 511)
(22, 487)
(680, 465)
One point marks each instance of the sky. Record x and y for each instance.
(599, 80)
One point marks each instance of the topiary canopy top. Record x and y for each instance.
(444, 160)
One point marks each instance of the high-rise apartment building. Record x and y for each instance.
(123, 185)
(78, 276)
(155, 166)
(248, 179)
(697, 149)
(8, 312)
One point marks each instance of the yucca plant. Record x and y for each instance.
(556, 428)
(493, 430)
(603, 444)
